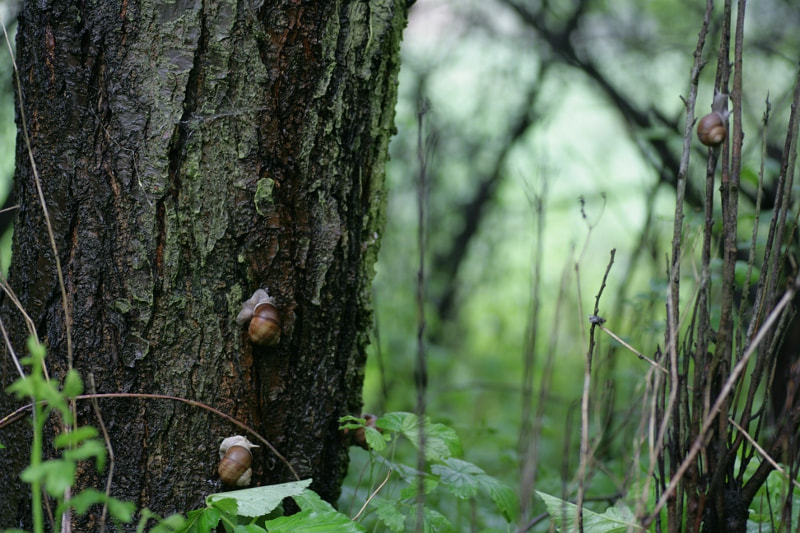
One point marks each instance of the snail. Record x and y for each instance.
(235, 460)
(265, 323)
(713, 128)
(359, 436)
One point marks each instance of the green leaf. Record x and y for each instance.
(434, 520)
(351, 422)
(504, 497)
(208, 519)
(389, 514)
(615, 519)
(440, 441)
(75, 437)
(201, 518)
(259, 501)
(313, 522)
(249, 528)
(308, 500)
(376, 440)
(429, 484)
(57, 475)
(73, 386)
(169, 524)
(88, 450)
(228, 506)
(81, 502)
(460, 477)
(85, 499)
(121, 510)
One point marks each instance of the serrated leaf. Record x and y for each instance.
(57, 475)
(313, 522)
(434, 521)
(73, 385)
(308, 500)
(460, 477)
(429, 484)
(208, 519)
(85, 499)
(397, 422)
(121, 510)
(88, 450)
(389, 514)
(74, 437)
(615, 519)
(505, 499)
(351, 422)
(260, 501)
(376, 440)
(169, 524)
(441, 441)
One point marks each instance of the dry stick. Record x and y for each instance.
(763, 453)
(110, 453)
(14, 416)
(699, 443)
(371, 496)
(673, 295)
(587, 378)
(632, 349)
(38, 182)
(50, 234)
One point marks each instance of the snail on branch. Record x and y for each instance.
(712, 129)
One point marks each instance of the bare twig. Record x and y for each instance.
(371, 496)
(12, 417)
(710, 415)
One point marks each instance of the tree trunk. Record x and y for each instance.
(190, 153)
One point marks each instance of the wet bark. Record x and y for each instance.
(189, 153)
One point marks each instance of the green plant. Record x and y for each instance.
(447, 474)
(55, 477)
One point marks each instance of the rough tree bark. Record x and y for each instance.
(191, 152)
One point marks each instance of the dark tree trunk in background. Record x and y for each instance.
(191, 152)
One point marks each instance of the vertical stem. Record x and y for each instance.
(421, 371)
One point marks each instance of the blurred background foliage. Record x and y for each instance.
(553, 135)
(577, 104)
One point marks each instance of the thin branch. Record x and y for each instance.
(14, 416)
(699, 442)
(371, 496)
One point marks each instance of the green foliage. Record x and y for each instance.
(56, 476)
(446, 474)
(258, 510)
(615, 520)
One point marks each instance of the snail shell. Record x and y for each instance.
(712, 128)
(359, 435)
(265, 326)
(265, 322)
(235, 460)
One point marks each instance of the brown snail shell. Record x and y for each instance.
(359, 435)
(234, 468)
(235, 460)
(713, 128)
(265, 322)
(265, 326)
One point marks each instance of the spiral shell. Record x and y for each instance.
(265, 322)
(712, 128)
(235, 460)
